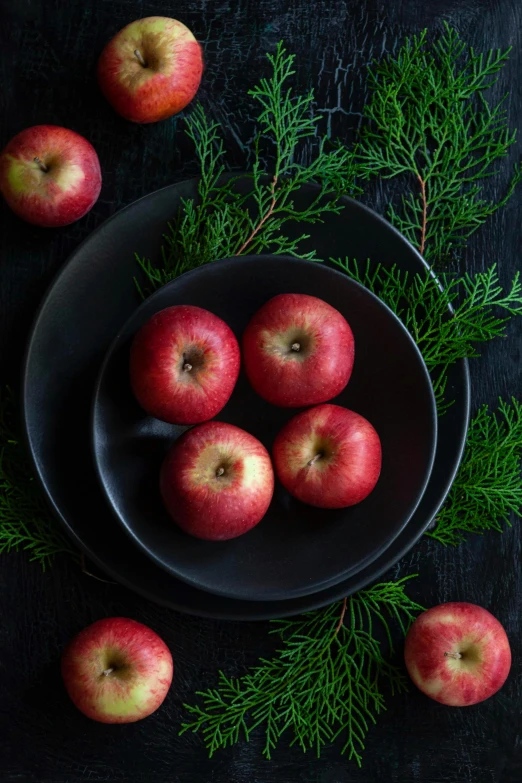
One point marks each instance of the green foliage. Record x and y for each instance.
(323, 683)
(226, 222)
(429, 123)
(481, 310)
(488, 487)
(25, 522)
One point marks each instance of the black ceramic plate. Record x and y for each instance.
(89, 300)
(296, 549)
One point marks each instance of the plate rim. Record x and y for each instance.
(314, 601)
(327, 583)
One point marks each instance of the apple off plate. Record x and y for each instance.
(296, 549)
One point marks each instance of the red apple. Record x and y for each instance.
(50, 176)
(297, 351)
(184, 364)
(151, 69)
(217, 481)
(458, 654)
(328, 457)
(117, 670)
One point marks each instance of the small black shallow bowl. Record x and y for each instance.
(296, 549)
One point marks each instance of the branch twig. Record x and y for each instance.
(424, 214)
(263, 219)
(341, 618)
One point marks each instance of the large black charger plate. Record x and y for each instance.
(297, 549)
(80, 315)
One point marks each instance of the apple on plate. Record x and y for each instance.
(50, 176)
(117, 670)
(328, 456)
(298, 351)
(458, 654)
(217, 481)
(184, 364)
(151, 69)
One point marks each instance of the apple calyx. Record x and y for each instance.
(108, 671)
(315, 459)
(138, 55)
(192, 359)
(300, 345)
(223, 471)
(41, 164)
(455, 655)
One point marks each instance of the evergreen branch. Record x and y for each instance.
(323, 683)
(25, 522)
(481, 310)
(224, 222)
(488, 486)
(429, 123)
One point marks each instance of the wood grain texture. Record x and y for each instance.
(47, 62)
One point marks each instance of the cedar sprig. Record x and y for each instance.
(324, 683)
(430, 123)
(227, 221)
(488, 488)
(481, 310)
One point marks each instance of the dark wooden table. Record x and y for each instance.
(48, 57)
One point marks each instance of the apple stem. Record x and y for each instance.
(106, 672)
(314, 459)
(454, 655)
(296, 347)
(42, 166)
(220, 472)
(138, 55)
(187, 367)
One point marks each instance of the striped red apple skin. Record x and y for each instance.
(184, 364)
(50, 176)
(328, 456)
(117, 670)
(217, 481)
(151, 69)
(297, 351)
(457, 654)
